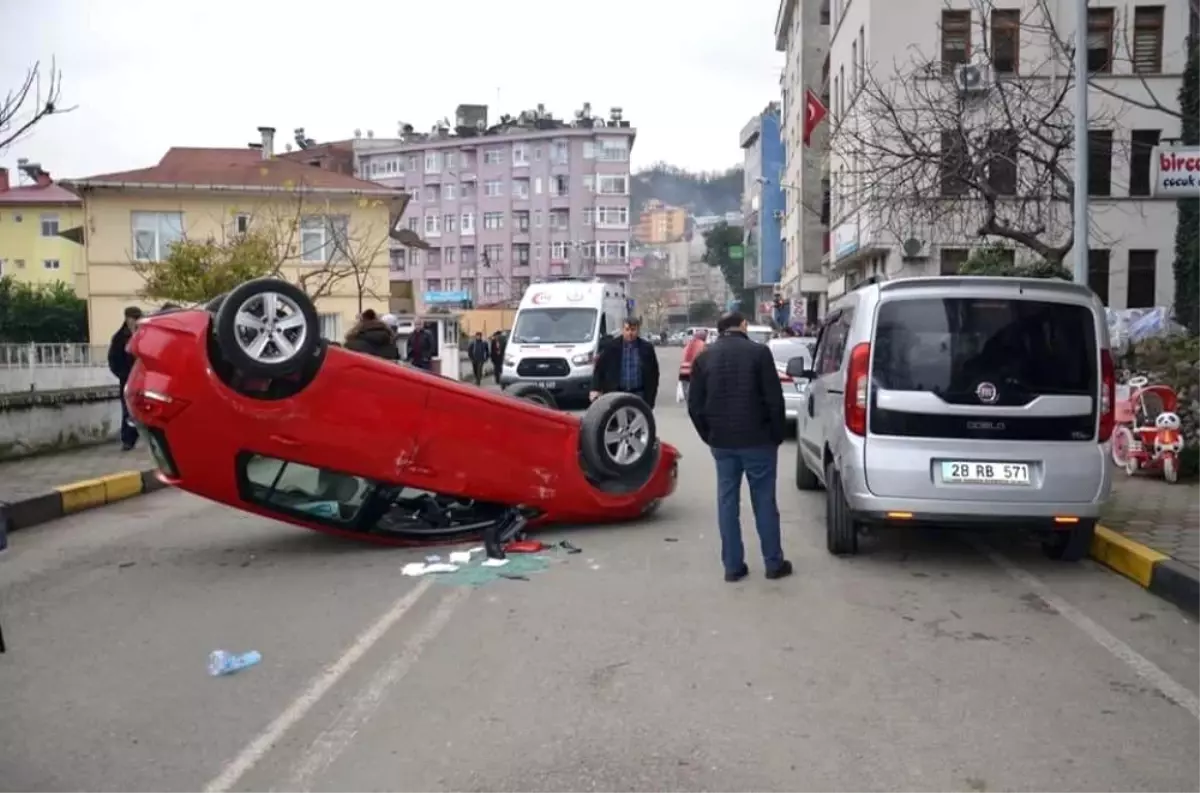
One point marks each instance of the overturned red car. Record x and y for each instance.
(243, 403)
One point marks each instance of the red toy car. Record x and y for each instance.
(242, 402)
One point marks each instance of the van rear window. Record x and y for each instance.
(949, 346)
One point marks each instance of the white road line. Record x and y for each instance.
(257, 749)
(330, 744)
(1143, 667)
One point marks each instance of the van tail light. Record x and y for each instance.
(1108, 395)
(855, 396)
(157, 406)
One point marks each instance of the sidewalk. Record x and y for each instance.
(1154, 536)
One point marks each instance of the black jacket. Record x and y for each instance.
(420, 346)
(478, 350)
(120, 362)
(373, 337)
(606, 375)
(736, 400)
(497, 345)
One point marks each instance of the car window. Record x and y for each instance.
(293, 487)
(952, 346)
(554, 325)
(832, 344)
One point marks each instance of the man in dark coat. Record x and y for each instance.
(120, 363)
(497, 355)
(372, 336)
(629, 364)
(421, 348)
(736, 405)
(478, 352)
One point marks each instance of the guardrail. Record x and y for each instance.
(53, 356)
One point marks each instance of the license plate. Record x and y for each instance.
(980, 473)
(549, 385)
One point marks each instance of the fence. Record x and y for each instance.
(50, 367)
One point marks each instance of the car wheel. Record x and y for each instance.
(841, 530)
(533, 393)
(1071, 545)
(805, 478)
(268, 328)
(618, 436)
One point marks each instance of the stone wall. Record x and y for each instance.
(24, 379)
(41, 421)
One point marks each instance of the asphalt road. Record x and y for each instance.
(929, 662)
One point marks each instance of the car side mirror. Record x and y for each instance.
(797, 369)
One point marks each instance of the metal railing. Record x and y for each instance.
(53, 356)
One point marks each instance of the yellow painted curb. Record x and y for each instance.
(125, 484)
(82, 495)
(1131, 559)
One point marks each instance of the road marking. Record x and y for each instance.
(257, 749)
(1142, 666)
(330, 744)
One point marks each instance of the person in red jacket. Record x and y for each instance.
(694, 347)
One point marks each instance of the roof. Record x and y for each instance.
(51, 194)
(232, 169)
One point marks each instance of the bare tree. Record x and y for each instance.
(35, 99)
(917, 154)
(653, 289)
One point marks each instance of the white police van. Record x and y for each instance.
(557, 332)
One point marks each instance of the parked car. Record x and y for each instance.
(245, 404)
(958, 400)
(794, 391)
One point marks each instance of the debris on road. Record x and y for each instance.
(570, 547)
(415, 569)
(222, 663)
(670, 539)
(485, 571)
(524, 546)
(433, 558)
(489, 562)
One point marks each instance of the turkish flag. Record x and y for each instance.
(814, 111)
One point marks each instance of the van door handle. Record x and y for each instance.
(810, 404)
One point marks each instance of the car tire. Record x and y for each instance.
(288, 349)
(805, 478)
(618, 436)
(1071, 545)
(841, 529)
(533, 393)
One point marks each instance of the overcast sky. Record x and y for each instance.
(150, 74)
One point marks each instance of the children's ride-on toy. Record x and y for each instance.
(1149, 437)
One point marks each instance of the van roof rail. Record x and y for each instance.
(967, 281)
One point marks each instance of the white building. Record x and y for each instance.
(944, 113)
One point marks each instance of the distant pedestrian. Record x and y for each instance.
(736, 404)
(694, 347)
(630, 365)
(372, 336)
(478, 352)
(120, 363)
(496, 351)
(420, 348)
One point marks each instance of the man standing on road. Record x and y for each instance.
(497, 354)
(120, 363)
(478, 353)
(630, 365)
(736, 404)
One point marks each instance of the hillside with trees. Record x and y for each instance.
(712, 193)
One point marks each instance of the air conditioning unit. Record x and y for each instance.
(913, 248)
(972, 79)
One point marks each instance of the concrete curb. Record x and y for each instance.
(1173, 581)
(75, 497)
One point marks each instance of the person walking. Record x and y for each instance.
(478, 352)
(630, 365)
(694, 347)
(496, 351)
(120, 363)
(420, 348)
(735, 402)
(372, 336)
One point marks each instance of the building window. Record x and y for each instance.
(1100, 162)
(956, 39)
(466, 255)
(951, 260)
(241, 223)
(433, 284)
(520, 188)
(449, 160)
(493, 188)
(614, 185)
(521, 220)
(1143, 269)
(50, 225)
(612, 250)
(1147, 39)
(953, 164)
(322, 237)
(433, 162)
(560, 153)
(825, 203)
(493, 287)
(614, 150)
(51, 264)
(560, 185)
(589, 216)
(1100, 40)
(448, 192)
(520, 154)
(521, 255)
(493, 156)
(1002, 161)
(612, 217)
(414, 224)
(559, 251)
(493, 255)
(520, 285)
(1098, 273)
(824, 13)
(449, 223)
(468, 223)
(1006, 41)
(537, 219)
(862, 55)
(433, 226)
(431, 192)
(154, 233)
(1140, 157)
(493, 220)
(560, 220)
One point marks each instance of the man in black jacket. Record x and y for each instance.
(373, 336)
(120, 363)
(497, 354)
(630, 365)
(736, 404)
(478, 352)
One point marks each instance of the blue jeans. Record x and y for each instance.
(760, 465)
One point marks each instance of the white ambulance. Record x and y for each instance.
(557, 332)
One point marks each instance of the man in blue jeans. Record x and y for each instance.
(736, 404)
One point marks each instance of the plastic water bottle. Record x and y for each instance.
(221, 662)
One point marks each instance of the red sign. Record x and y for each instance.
(814, 111)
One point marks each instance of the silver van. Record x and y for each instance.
(957, 401)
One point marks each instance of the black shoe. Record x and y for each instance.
(127, 447)
(783, 571)
(738, 575)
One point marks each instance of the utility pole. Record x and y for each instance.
(1080, 246)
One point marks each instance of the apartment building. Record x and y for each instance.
(660, 224)
(506, 204)
(762, 205)
(805, 227)
(920, 212)
(41, 229)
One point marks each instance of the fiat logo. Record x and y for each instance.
(987, 393)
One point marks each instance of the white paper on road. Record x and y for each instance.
(421, 568)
